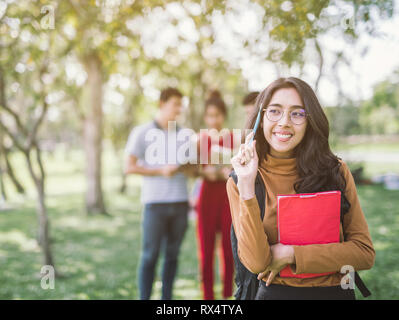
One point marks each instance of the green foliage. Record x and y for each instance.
(100, 29)
(380, 114)
(343, 120)
(377, 115)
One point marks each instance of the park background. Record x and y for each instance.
(76, 76)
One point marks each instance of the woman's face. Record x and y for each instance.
(213, 118)
(284, 135)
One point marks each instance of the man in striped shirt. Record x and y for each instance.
(152, 150)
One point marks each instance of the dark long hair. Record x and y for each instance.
(318, 168)
(215, 99)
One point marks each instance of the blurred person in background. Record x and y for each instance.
(213, 205)
(164, 196)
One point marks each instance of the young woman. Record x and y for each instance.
(291, 151)
(213, 205)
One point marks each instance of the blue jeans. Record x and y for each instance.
(163, 224)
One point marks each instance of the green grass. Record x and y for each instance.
(381, 208)
(385, 147)
(99, 255)
(372, 168)
(362, 150)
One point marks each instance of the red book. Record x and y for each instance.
(308, 218)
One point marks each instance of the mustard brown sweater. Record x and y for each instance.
(254, 237)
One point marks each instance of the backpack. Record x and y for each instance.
(247, 282)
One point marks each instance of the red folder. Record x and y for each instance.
(308, 218)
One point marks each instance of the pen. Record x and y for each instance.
(256, 125)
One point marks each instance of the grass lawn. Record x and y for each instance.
(376, 158)
(386, 147)
(99, 255)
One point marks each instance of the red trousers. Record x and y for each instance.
(214, 216)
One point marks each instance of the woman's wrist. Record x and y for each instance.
(290, 254)
(246, 188)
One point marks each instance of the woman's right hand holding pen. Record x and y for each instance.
(245, 164)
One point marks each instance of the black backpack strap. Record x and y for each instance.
(247, 282)
(358, 281)
(260, 191)
(361, 285)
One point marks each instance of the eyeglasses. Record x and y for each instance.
(297, 116)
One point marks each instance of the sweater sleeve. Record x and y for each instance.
(357, 250)
(252, 243)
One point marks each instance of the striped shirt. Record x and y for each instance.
(141, 143)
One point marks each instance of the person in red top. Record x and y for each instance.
(213, 205)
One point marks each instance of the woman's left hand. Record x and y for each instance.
(282, 255)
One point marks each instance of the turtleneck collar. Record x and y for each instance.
(279, 166)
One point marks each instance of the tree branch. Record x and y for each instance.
(4, 105)
(12, 136)
(321, 64)
(40, 162)
(31, 138)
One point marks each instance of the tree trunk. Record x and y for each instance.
(44, 226)
(3, 193)
(123, 186)
(120, 158)
(93, 124)
(36, 171)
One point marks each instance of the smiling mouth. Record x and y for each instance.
(282, 137)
